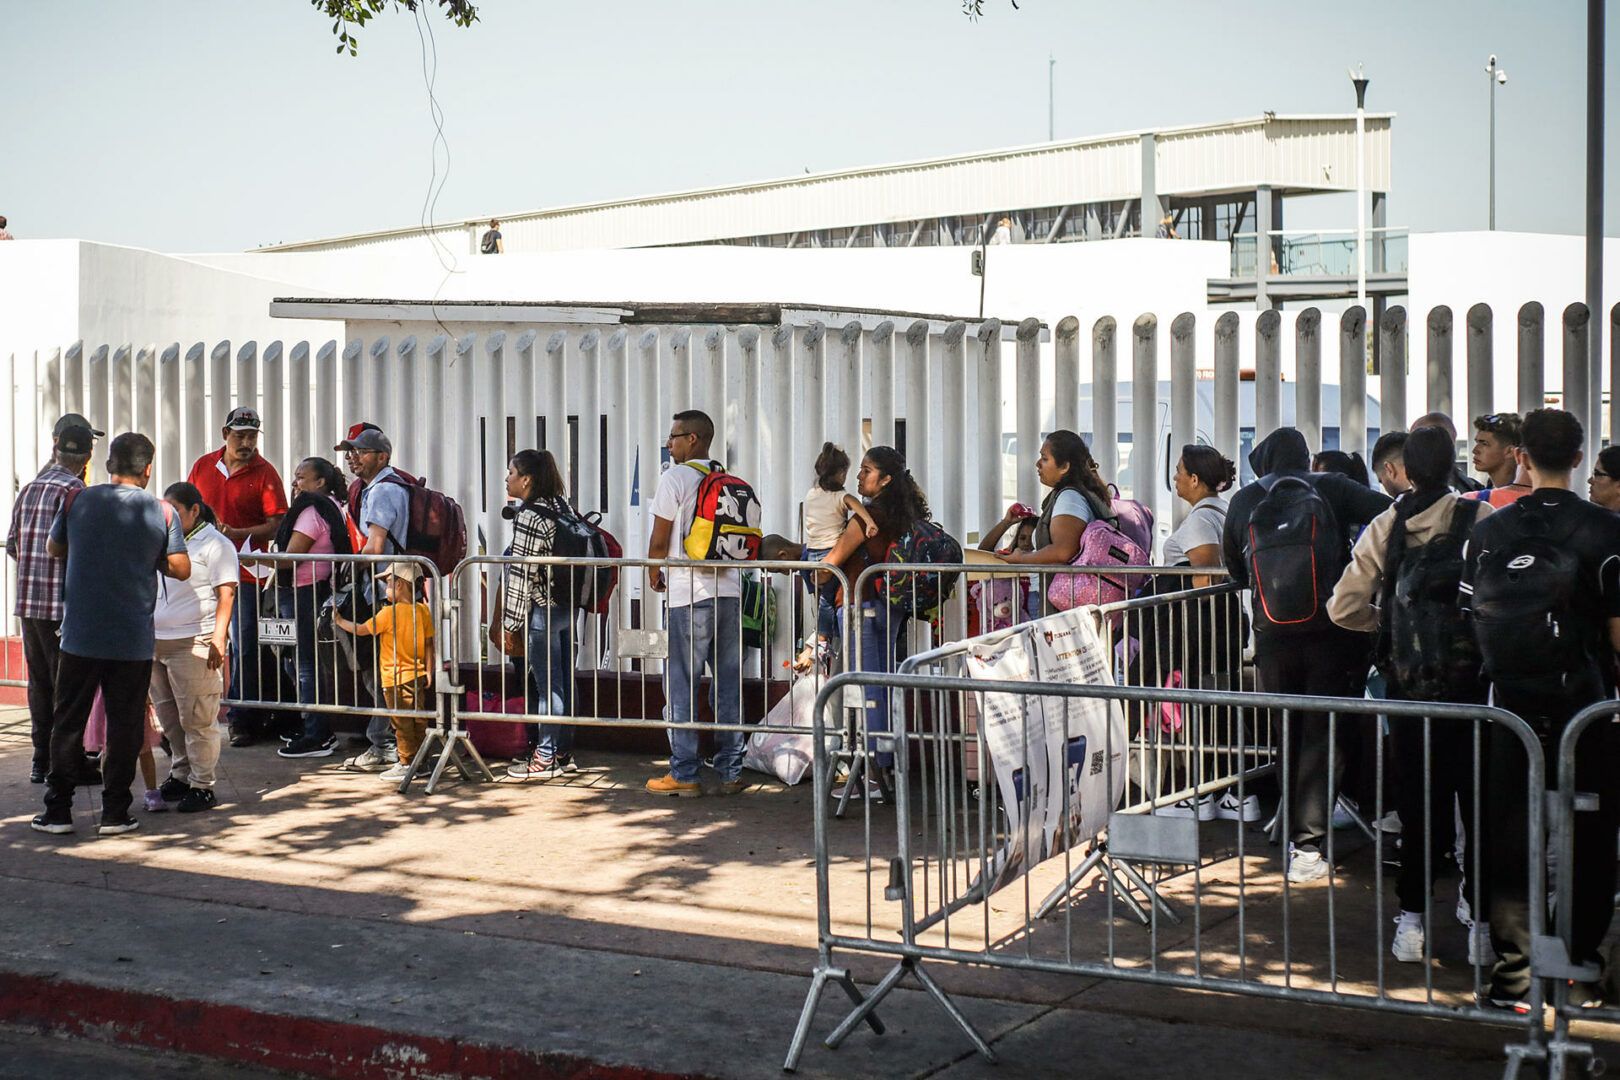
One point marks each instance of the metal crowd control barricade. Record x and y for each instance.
(1554, 956)
(967, 873)
(612, 671)
(292, 623)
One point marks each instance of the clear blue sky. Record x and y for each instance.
(200, 126)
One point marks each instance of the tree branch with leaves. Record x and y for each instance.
(349, 16)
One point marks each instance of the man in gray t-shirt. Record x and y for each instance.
(112, 536)
(385, 502)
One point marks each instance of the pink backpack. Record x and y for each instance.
(1102, 545)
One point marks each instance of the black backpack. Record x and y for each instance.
(1425, 646)
(576, 537)
(1295, 553)
(1525, 597)
(487, 246)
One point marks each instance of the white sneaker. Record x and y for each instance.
(1344, 813)
(1203, 809)
(1408, 943)
(1305, 866)
(395, 772)
(1230, 808)
(1480, 951)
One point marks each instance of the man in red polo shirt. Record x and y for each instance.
(246, 494)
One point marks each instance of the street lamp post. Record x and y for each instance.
(1496, 77)
(1359, 78)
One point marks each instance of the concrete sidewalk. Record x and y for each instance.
(318, 922)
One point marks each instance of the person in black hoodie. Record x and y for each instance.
(1304, 656)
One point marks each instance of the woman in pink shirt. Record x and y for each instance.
(315, 524)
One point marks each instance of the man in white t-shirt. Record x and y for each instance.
(704, 620)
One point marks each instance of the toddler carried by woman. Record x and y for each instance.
(827, 509)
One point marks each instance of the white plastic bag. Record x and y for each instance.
(788, 757)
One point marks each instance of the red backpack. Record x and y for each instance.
(437, 528)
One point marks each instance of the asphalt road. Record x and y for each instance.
(29, 1055)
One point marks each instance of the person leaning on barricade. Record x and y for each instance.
(315, 524)
(1285, 540)
(246, 494)
(40, 577)
(381, 510)
(404, 632)
(1541, 580)
(705, 620)
(537, 610)
(1401, 583)
(192, 626)
(115, 538)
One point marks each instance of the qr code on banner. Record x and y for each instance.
(1096, 762)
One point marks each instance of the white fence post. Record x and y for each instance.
(647, 422)
(709, 389)
(435, 388)
(1105, 398)
(987, 454)
(844, 390)
(1481, 363)
(73, 399)
(589, 495)
(300, 435)
(1028, 401)
(405, 381)
(1308, 376)
(1352, 381)
(493, 471)
(273, 443)
(810, 417)
(327, 425)
(1577, 347)
(1066, 375)
(1532, 358)
(96, 370)
(919, 394)
(1228, 438)
(379, 396)
(781, 495)
(1267, 374)
(1183, 395)
(146, 414)
(880, 366)
(1439, 363)
(678, 370)
(122, 388)
(247, 377)
(170, 418)
(556, 394)
(1144, 407)
(746, 432)
(1392, 371)
(355, 406)
(196, 438)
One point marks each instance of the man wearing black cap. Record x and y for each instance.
(39, 576)
(247, 495)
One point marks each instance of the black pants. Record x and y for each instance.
(1331, 664)
(42, 645)
(123, 685)
(1430, 782)
(1506, 843)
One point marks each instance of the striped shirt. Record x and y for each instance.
(39, 577)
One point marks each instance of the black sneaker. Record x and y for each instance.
(198, 798)
(242, 737)
(309, 747)
(36, 774)
(173, 790)
(115, 826)
(57, 823)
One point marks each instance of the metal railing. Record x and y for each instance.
(923, 893)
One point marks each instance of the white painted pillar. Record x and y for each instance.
(589, 496)
(439, 411)
(411, 439)
(844, 414)
(620, 450)
(1144, 409)
(953, 426)
(987, 430)
(146, 417)
(96, 369)
(1308, 376)
(171, 420)
(1392, 370)
(1105, 397)
(355, 406)
(247, 377)
(196, 438)
(380, 395)
(73, 399)
(677, 370)
(328, 430)
(528, 401)
(1267, 374)
(122, 388)
(746, 432)
(919, 390)
(465, 464)
(1066, 375)
(1183, 399)
(781, 495)
(1228, 440)
(272, 439)
(493, 410)
(647, 419)
(300, 435)
(556, 396)
(1028, 402)
(880, 365)
(810, 421)
(709, 389)
(1352, 381)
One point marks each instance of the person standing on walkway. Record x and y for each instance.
(315, 524)
(705, 621)
(383, 515)
(246, 495)
(192, 624)
(39, 578)
(1603, 486)
(112, 536)
(1496, 438)
(1407, 557)
(1297, 648)
(404, 632)
(537, 610)
(1542, 581)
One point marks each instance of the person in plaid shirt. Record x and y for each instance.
(39, 577)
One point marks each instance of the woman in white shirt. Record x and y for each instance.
(192, 623)
(1202, 473)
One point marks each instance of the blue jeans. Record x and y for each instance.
(879, 637)
(302, 604)
(705, 633)
(826, 595)
(551, 677)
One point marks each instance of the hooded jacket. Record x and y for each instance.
(1284, 452)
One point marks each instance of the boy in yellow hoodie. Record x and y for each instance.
(404, 631)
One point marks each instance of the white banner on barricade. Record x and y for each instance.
(1058, 761)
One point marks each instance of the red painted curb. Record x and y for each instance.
(325, 1048)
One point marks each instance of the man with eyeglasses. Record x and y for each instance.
(382, 510)
(247, 495)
